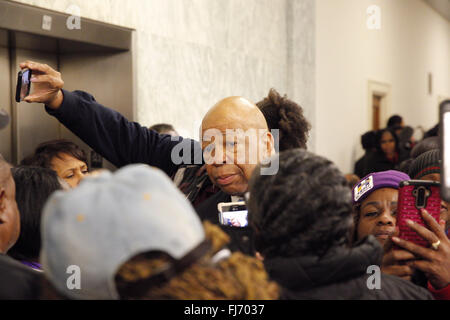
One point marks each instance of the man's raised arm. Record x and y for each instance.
(106, 131)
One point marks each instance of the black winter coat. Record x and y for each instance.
(18, 282)
(377, 162)
(340, 274)
(361, 165)
(241, 239)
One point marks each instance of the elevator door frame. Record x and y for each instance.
(96, 44)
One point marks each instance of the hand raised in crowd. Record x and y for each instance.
(394, 261)
(47, 84)
(433, 261)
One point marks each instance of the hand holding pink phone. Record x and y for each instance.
(413, 196)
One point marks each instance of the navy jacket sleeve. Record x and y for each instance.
(120, 141)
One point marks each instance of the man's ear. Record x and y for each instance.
(270, 144)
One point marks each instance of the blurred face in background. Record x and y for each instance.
(387, 143)
(378, 215)
(9, 213)
(69, 168)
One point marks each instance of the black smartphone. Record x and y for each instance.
(23, 84)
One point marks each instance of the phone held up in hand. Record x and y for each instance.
(413, 196)
(23, 84)
(233, 214)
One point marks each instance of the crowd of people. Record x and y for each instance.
(152, 229)
(392, 148)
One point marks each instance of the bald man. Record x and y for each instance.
(234, 135)
(244, 122)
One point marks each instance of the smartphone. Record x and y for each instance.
(233, 214)
(444, 128)
(414, 195)
(23, 84)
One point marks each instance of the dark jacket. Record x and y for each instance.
(361, 165)
(123, 142)
(377, 162)
(340, 274)
(18, 282)
(241, 239)
(120, 141)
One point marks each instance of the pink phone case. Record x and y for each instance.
(409, 195)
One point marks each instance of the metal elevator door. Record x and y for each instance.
(5, 95)
(29, 124)
(97, 58)
(32, 125)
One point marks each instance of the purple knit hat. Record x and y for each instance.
(377, 180)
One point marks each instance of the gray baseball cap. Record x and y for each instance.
(109, 219)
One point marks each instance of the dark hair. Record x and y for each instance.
(396, 128)
(162, 127)
(404, 137)
(379, 135)
(433, 132)
(304, 209)
(287, 116)
(46, 151)
(33, 187)
(405, 165)
(394, 120)
(237, 277)
(368, 140)
(425, 145)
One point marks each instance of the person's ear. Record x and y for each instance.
(270, 144)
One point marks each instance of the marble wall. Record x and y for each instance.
(192, 53)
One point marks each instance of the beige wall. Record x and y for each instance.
(413, 41)
(192, 53)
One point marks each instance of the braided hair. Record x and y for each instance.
(238, 277)
(286, 116)
(305, 209)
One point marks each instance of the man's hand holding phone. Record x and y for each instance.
(47, 84)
